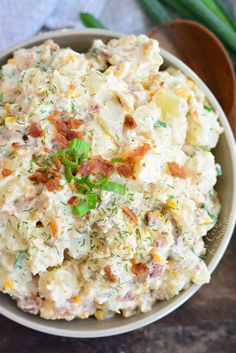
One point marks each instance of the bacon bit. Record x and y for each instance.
(138, 269)
(38, 177)
(126, 169)
(54, 115)
(50, 177)
(139, 152)
(109, 275)
(130, 214)
(53, 227)
(75, 123)
(64, 134)
(96, 165)
(177, 171)
(53, 172)
(39, 224)
(35, 130)
(129, 122)
(25, 138)
(88, 216)
(61, 140)
(70, 135)
(53, 184)
(6, 172)
(147, 218)
(15, 144)
(127, 166)
(73, 200)
(60, 125)
(57, 162)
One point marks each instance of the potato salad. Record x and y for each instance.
(106, 179)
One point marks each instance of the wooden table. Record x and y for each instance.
(205, 324)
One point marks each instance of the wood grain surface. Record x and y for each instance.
(205, 324)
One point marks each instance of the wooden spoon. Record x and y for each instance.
(202, 51)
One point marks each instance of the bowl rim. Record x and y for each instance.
(185, 295)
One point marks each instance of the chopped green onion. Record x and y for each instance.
(90, 21)
(18, 264)
(156, 10)
(74, 153)
(218, 170)
(82, 189)
(91, 185)
(216, 10)
(116, 159)
(67, 162)
(207, 107)
(91, 199)
(113, 186)
(1, 97)
(213, 217)
(160, 123)
(226, 10)
(80, 145)
(208, 18)
(81, 209)
(211, 194)
(180, 9)
(79, 180)
(68, 173)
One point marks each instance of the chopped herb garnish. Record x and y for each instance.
(213, 217)
(218, 170)
(160, 123)
(81, 209)
(91, 200)
(18, 264)
(113, 186)
(71, 157)
(1, 97)
(207, 107)
(116, 159)
(73, 110)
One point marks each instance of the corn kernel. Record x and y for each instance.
(10, 120)
(130, 228)
(190, 82)
(207, 221)
(12, 61)
(119, 71)
(75, 299)
(146, 84)
(83, 316)
(41, 92)
(8, 284)
(99, 314)
(170, 203)
(72, 93)
(181, 92)
(173, 274)
(69, 58)
(158, 214)
(156, 257)
(8, 108)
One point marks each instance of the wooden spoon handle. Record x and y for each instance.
(202, 51)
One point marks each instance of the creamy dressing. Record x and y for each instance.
(105, 263)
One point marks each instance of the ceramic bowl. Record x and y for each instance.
(217, 239)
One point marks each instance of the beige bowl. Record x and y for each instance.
(217, 240)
